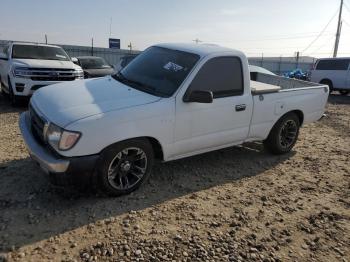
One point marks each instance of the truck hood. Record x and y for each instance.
(37, 63)
(68, 102)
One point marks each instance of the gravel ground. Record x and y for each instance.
(237, 204)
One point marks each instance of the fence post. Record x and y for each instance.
(92, 46)
(279, 65)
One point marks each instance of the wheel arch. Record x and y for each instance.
(297, 112)
(300, 115)
(156, 145)
(327, 80)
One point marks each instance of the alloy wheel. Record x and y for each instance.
(127, 168)
(288, 133)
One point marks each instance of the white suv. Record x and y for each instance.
(26, 67)
(334, 72)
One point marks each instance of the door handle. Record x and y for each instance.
(240, 107)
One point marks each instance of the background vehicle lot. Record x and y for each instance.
(239, 201)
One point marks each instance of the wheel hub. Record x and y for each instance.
(125, 166)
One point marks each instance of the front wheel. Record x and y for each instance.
(12, 97)
(124, 166)
(283, 135)
(344, 92)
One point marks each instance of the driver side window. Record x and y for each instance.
(221, 75)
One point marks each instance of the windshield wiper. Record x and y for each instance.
(137, 85)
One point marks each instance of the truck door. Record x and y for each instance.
(226, 121)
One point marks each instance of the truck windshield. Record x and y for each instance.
(158, 71)
(39, 52)
(93, 63)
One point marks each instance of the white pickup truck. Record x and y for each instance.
(26, 67)
(172, 101)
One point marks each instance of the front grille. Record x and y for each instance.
(36, 87)
(53, 78)
(51, 74)
(37, 125)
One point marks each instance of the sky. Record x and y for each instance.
(257, 27)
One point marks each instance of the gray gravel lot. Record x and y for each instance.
(236, 204)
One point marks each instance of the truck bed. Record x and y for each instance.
(263, 83)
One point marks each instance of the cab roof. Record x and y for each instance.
(199, 49)
(33, 44)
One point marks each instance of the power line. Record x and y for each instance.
(266, 39)
(346, 7)
(327, 43)
(319, 35)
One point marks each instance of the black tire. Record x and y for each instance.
(4, 94)
(329, 84)
(116, 169)
(12, 97)
(344, 92)
(283, 135)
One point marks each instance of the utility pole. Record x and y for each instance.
(45, 38)
(130, 47)
(110, 27)
(197, 41)
(336, 44)
(297, 56)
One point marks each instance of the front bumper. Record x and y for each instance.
(61, 170)
(30, 86)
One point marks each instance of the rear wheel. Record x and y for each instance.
(4, 94)
(124, 166)
(344, 92)
(328, 83)
(283, 135)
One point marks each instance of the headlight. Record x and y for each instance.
(61, 139)
(21, 72)
(68, 140)
(79, 74)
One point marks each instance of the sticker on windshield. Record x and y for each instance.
(173, 67)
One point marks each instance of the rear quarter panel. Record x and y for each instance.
(269, 108)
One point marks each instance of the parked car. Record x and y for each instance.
(94, 66)
(334, 72)
(26, 67)
(173, 101)
(123, 62)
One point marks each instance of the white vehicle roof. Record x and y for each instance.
(33, 44)
(333, 58)
(199, 49)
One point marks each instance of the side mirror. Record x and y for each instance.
(75, 60)
(199, 97)
(3, 56)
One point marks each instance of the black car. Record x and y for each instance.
(94, 66)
